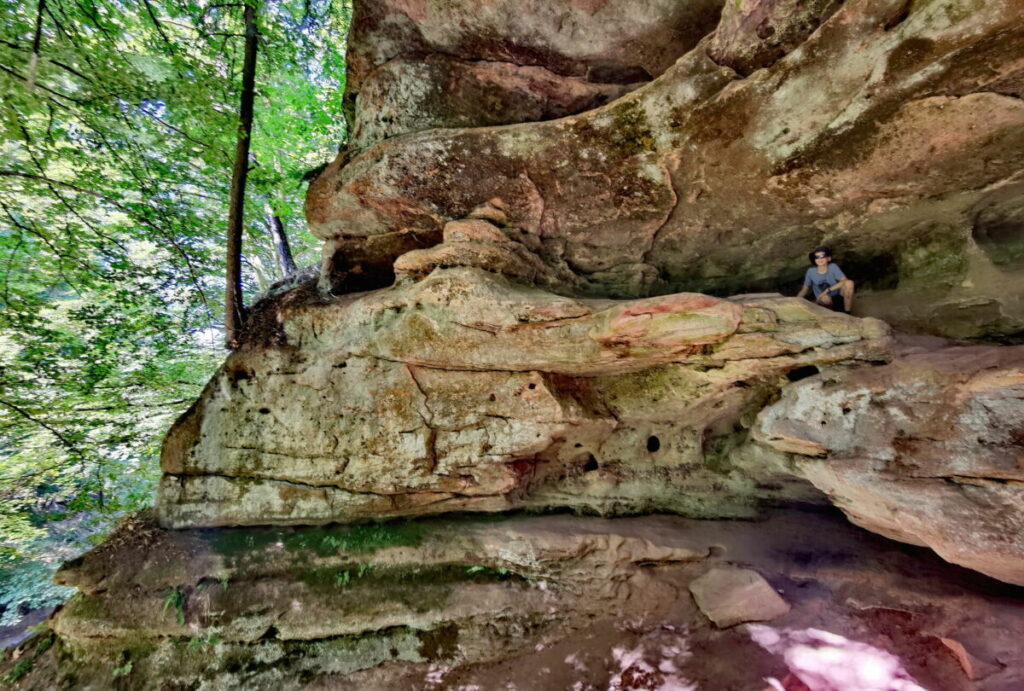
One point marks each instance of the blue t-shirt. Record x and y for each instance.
(819, 282)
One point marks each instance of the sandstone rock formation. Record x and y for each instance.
(539, 602)
(505, 320)
(424, 64)
(465, 391)
(894, 132)
(927, 450)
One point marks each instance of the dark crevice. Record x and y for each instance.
(802, 373)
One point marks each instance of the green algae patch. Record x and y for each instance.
(365, 588)
(383, 578)
(631, 134)
(323, 541)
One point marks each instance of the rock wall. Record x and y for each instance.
(505, 319)
(467, 392)
(457, 63)
(891, 131)
(488, 367)
(927, 450)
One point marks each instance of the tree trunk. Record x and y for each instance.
(234, 310)
(282, 250)
(33, 62)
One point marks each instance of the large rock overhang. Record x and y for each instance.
(896, 135)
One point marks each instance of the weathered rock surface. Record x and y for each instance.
(540, 602)
(928, 449)
(466, 392)
(405, 95)
(730, 596)
(423, 64)
(756, 33)
(893, 132)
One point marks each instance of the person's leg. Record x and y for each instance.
(825, 300)
(846, 290)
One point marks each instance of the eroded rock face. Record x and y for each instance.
(892, 132)
(466, 392)
(423, 64)
(539, 601)
(928, 449)
(406, 95)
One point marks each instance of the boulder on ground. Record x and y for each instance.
(729, 596)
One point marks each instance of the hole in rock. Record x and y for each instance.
(264, 411)
(591, 464)
(998, 228)
(532, 386)
(361, 278)
(802, 373)
(341, 365)
(870, 271)
(653, 443)
(618, 74)
(492, 397)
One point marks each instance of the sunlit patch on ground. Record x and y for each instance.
(823, 661)
(654, 661)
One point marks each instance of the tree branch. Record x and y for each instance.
(71, 446)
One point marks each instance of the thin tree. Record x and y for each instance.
(282, 249)
(234, 309)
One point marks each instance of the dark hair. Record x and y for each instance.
(826, 250)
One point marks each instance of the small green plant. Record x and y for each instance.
(19, 670)
(175, 601)
(373, 536)
(348, 575)
(203, 642)
(25, 666)
(124, 670)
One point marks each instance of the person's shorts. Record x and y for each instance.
(838, 304)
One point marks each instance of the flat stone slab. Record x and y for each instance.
(730, 596)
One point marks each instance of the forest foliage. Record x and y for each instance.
(118, 123)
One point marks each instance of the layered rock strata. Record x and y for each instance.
(891, 131)
(539, 602)
(418, 65)
(467, 392)
(927, 450)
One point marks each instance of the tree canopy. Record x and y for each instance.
(118, 124)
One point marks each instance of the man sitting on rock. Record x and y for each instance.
(831, 287)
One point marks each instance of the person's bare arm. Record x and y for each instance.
(803, 291)
(837, 286)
